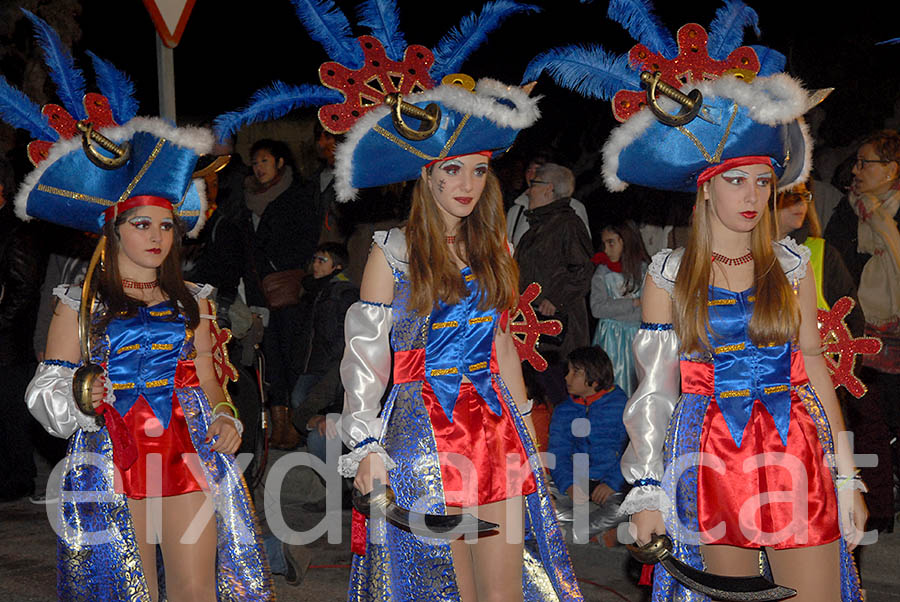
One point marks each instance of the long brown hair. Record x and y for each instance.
(776, 314)
(634, 256)
(171, 278)
(480, 242)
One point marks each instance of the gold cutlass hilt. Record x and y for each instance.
(90, 137)
(430, 117)
(691, 103)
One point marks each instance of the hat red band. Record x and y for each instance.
(710, 172)
(485, 153)
(136, 201)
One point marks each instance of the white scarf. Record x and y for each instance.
(879, 285)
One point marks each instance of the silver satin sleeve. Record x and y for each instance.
(365, 370)
(647, 415)
(51, 401)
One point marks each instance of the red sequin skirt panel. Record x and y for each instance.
(765, 493)
(482, 458)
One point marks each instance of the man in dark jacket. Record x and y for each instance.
(20, 281)
(556, 253)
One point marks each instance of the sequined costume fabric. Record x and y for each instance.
(752, 414)
(399, 566)
(97, 555)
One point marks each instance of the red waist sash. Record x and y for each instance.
(699, 377)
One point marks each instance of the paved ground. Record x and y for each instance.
(27, 555)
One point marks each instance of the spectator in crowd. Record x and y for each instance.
(281, 233)
(797, 217)
(864, 230)
(516, 222)
(616, 298)
(320, 190)
(319, 337)
(20, 280)
(590, 422)
(220, 258)
(555, 252)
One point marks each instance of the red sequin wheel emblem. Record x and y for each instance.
(365, 88)
(841, 348)
(693, 64)
(527, 328)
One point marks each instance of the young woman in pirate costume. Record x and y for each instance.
(433, 298)
(734, 469)
(137, 348)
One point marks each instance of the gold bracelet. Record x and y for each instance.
(230, 405)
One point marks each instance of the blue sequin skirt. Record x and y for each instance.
(399, 566)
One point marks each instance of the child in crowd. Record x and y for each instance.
(616, 298)
(327, 295)
(590, 422)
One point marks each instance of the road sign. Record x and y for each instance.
(169, 17)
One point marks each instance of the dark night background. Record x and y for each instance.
(230, 49)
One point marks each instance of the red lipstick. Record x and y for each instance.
(155, 251)
(749, 214)
(465, 200)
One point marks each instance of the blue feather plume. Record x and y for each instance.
(645, 27)
(383, 19)
(67, 77)
(273, 102)
(328, 26)
(726, 32)
(472, 31)
(19, 111)
(770, 61)
(117, 87)
(590, 71)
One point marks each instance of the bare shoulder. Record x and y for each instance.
(656, 303)
(378, 279)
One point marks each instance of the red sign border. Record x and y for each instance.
(170, 40)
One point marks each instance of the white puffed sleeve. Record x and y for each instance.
(51, 401)
(365, 371)
(647, 415)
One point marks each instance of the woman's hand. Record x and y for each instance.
(98, 391)
(854, 513)
(371, 469)
(227, 438)
(645, 524)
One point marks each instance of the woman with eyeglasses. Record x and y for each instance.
(796, 217)
(864, 230)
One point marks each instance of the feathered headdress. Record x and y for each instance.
(732, 100)
(93, 158)
(400, 106)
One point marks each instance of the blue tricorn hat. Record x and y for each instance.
(67, 188)
(761, 118)
(734, 102)
(75, 184)
(487, 118)
(362, 74)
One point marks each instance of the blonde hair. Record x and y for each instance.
(480, 242)
(776, 314)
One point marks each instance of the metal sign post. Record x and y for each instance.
(170, 18)
(165, 78)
